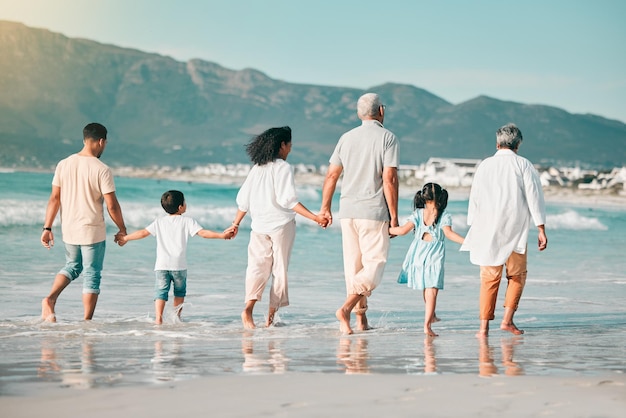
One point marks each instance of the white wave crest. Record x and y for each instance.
(573, 220)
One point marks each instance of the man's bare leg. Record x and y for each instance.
(47, 304)
(270, 316)
(343, 313)
(246, 315)
(361, 317)
(507, 322)
(159, 307)
(484, 328)
(89, 304)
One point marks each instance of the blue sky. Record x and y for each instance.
(565, 53)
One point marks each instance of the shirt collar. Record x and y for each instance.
(372, 122)
(504, 151)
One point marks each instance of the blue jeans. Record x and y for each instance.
(163, 280)
(87, 257)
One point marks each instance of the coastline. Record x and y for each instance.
(315, 394)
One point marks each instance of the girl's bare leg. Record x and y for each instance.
(430, 302)
(246, 315)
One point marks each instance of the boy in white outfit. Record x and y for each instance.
(172, 233)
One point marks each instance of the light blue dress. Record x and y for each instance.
(424, 261)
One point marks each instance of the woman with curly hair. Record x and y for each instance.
(269, 195)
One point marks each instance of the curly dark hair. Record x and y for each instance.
(264, 148)
(431, 191)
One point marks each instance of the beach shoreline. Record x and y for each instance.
(315, 394)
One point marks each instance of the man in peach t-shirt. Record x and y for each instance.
(81, 184)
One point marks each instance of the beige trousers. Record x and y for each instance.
(365, 249)
(490, 277)
(268, 255)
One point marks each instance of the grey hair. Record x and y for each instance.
(368, 105)
(509, 136)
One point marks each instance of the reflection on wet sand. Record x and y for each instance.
(352, 354)
(167, 361)
(430, 361)
(68, 373)
(486, 363)
(271, 361)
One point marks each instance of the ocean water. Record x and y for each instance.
(573, 308)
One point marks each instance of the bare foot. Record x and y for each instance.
(511, 328)
(361, 323)
(436, 318)
(428, 331)
(270, 317)
(482, 332)
(344, 321)
(246, 318)
(158, 321)
(47, 310)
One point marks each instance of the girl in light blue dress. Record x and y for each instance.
(423, 266)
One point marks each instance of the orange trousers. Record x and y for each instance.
(490, 277)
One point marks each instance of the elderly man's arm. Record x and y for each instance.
(328, 190)
(390, 189)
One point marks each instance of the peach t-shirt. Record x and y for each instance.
(83, 181)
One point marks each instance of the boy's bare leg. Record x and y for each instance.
(270, 316)
(507, 322)
(246, 315)
(47, 304)
(343, 313)
(430, 301)
(178, 305)
(484, 328)
(89, 304)
(159, 307)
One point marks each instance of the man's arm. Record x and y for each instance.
(328, 190)
(543, 238)
(390, 189)
(54, 204)
(115, 212)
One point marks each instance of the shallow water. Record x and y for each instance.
(573, 307)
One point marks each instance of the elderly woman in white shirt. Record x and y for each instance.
(505, 200)
(269, 195)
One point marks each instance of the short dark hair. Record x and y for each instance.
(264, 148)
(95, 131)
(172, 200)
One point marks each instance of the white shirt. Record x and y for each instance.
(506, 196)
(172, 233)
(269, 195)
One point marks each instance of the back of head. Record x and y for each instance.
(509, 136)
(368, 106)
(264, 148)
(94, 131)
(172, 200)
(432, 192)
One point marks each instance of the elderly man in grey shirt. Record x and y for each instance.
(368, 158)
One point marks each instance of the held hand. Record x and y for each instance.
(327, 215)
(47, 239)
(230, 233)
(321, 221)
(120, 239)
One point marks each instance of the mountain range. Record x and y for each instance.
(164, 112)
